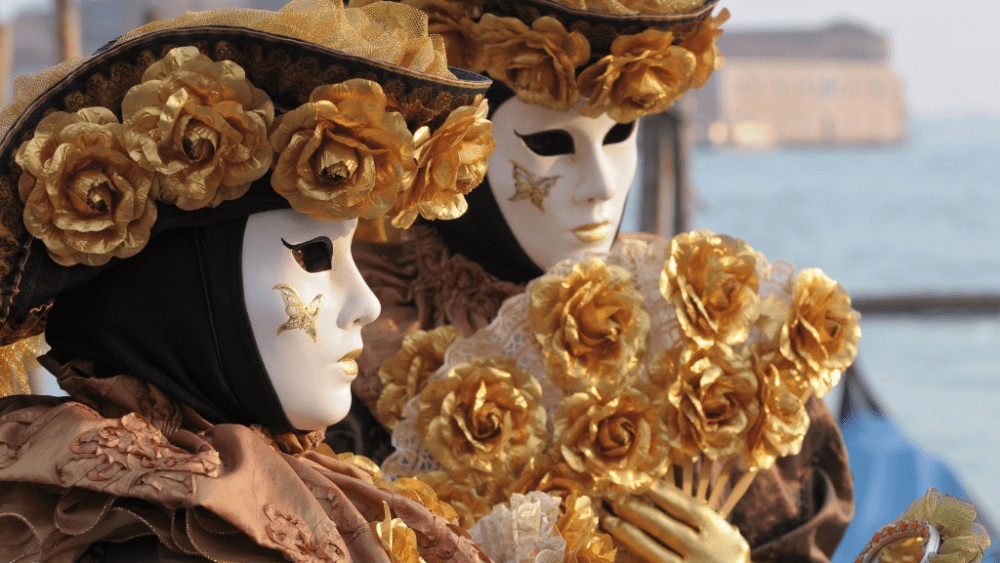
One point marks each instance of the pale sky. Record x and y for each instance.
(947, 55)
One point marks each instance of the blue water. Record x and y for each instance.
(925, 215)
(921, 217)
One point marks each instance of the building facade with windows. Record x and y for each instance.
(834, 85)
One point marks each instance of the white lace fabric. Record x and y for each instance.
(525, 532)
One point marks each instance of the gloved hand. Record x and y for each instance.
(676, 528)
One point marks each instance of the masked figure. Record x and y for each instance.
(177, 214)
(570, 81)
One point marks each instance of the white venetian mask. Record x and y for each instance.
(307, 303)
(560, 178)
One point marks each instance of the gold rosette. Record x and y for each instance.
(399, 541)
(701, 43)
(450, 162)
(83, 196)
(549, 474)
(468, 502)
(621, 443)
(404, 375)
(585, 543)
(644, 74)
(538, 63)
(783, 421)
(592, 326)
(822, 331)
(483, 421)
(342, 155)
(712, 282)
(963, 539)
(711, 401)
(201, 126)
(453, 21)
(417, 490)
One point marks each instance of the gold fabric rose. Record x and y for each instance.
(644, 74)
(585, 543)
(548, 473)
(468, 502)
(83, 196)
(620, 443)
(711, 401)
(484, 420)
(404, 375)
(417, 490)
(453, 21)
(783, 421)
(342, 155)
(538, 63)
(201, 125)
(822, 331)
(712, 282)
(592, 326)
(398, 539)
(450, 162)
(701, 43)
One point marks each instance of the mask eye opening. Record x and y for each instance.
(553, 142)
(314, 255)
(619, 133)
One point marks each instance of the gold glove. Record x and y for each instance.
(675, 528)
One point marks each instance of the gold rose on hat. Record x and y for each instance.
(338, 113)
(194, 126)
(625, 58)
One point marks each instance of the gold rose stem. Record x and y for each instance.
(704, 477)
(688, 485)
(737, 493)
(719, 486)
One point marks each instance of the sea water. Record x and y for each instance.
(922, 217)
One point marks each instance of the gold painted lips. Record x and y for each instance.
(591, 232)
(347, 363)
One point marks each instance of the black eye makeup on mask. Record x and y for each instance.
(313, 255)
(619, 133)
(553, 142)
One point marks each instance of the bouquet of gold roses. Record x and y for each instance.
(677, 359)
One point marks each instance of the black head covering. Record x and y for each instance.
(482, 234)
(174, 316)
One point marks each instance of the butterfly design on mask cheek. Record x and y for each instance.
(527, 187)
(299, 314)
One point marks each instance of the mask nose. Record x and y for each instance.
(361, 306)
(598, 183)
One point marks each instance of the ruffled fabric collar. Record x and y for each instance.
(123, 460)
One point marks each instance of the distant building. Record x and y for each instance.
(834, 85)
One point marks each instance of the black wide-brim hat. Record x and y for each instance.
(288, 78)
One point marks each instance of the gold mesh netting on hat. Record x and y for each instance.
(27, 87)
(384, 31)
